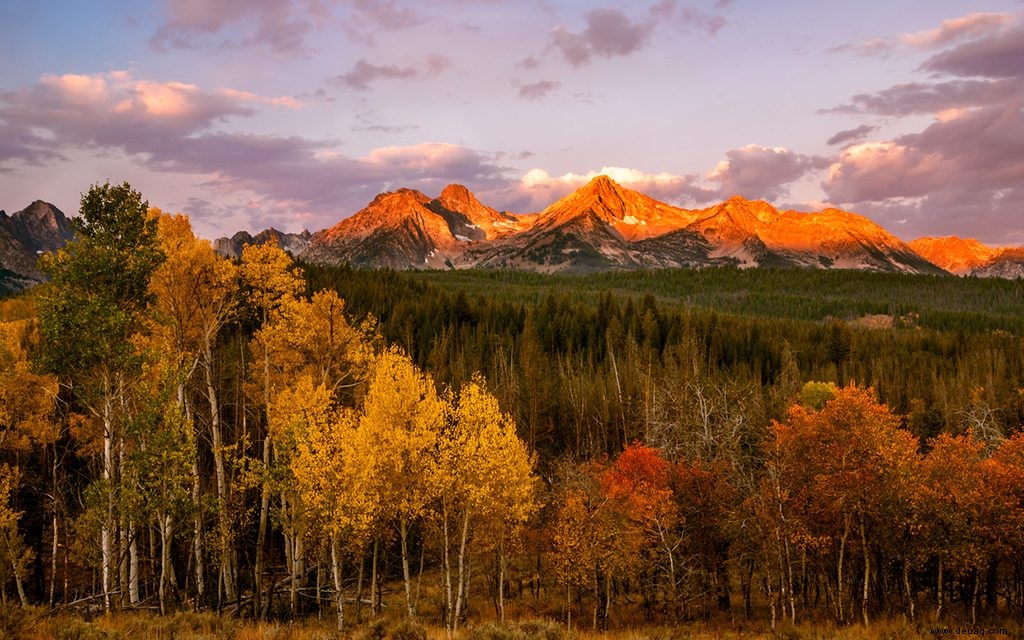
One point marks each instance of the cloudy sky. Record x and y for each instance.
(295, 113)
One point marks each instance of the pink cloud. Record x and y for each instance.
(949, 31)
(752, 171)
(537, 189)
(972, 24)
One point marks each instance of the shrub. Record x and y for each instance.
(542, 630)
(408, 630)
(376, 630)
(494, 631)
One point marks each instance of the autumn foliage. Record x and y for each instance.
(204, 433)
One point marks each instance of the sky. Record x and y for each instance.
(246, 114)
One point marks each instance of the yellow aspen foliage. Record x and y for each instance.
(399, 427)
(269, 276)
(330, 468)
(402, 417)
(486, 484)
(26, 398)
(26, 421)
(313, 337)
(485, 468)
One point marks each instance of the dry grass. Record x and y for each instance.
(38, 624)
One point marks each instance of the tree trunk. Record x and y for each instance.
(907, 592)
(197, 518)
(867, 572)
(197, 533)
(419, 577)
(839, 569)
(53, 561)
(166, 535)
(463, 571)
(217, 438)
(15, 557)
(938, 592)
(339, 594)
(261, 535)
(374, 588)
(404, 534)
(501, 582)
(446, 561)
(974, 599)
(133, 565)
(56, 539)
(359, 587)
(121, 537)
(106, 541)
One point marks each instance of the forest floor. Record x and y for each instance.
(40, 624)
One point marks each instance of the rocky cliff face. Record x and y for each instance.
(968, 257)
(396, 230)
(293, 243)
(24, 236)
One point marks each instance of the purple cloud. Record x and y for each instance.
(852, 135)
(538, 90)
(923, 98)
(609, 33)
(964, 174)
(688, 18)
(280, 26)
(1000, 55)
(754, 171)
(387, 14)
(169, 127)
(365, 73)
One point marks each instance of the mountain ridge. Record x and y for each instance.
(603, 225)
(969, 257)
(600, 226)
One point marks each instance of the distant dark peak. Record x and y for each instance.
(40, 210)
(242, 237)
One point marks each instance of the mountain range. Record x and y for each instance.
(601, 226)
(604, 226)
